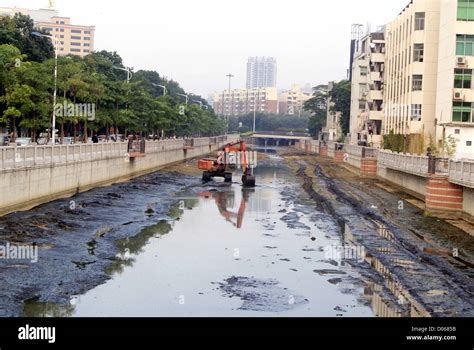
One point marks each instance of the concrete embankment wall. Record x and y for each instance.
(468, 203)
(444, 192)
(24, 188)
(412, 184)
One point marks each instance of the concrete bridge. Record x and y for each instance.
(268, 138)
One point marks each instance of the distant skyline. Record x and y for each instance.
(199, 43)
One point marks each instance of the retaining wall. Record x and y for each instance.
(26, 187)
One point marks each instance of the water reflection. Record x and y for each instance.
(400, 303)
(33, 308)
(226, 200)
(188, 256)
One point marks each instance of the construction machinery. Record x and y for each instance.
(227, 162)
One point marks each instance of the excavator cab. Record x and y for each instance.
(221, 168)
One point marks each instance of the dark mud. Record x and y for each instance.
(416, 282)
(261, 294)
(77, 238)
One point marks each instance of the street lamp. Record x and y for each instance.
(199, 102)
(186, 96)
(55, 44)
(129, 72)
(161, 86)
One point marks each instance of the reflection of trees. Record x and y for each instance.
(177, 210)
(134, 245)
(118, 265)
(33, 308)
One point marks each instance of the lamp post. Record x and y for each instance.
(55, 44)
(198, 102)
(129, 77)
(129, 72)
(185, 96)
(161, 86)
(164, 94)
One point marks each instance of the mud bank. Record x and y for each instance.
(410, 252)
(231, 252)
(76, 238)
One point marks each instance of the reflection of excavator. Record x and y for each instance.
(221, 167)
(221, 199)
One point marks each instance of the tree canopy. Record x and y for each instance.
(317, 106)
(341, 102)
(120, 107)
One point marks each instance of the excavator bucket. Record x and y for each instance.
(248, 181)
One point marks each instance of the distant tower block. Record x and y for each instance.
(51, 4)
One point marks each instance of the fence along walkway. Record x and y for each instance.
(462, 172)
(413, 164)
(30, 156)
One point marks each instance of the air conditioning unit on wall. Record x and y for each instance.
(458, 96)
(461, 61)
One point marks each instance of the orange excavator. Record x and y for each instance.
(225, 165)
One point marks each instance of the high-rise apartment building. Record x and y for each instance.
(455, 88)
(430, 61)
(411, 73)
(261, 72)
(71, 39)
(366, 91)
(243, 101)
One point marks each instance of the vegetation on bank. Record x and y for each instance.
(121, 107)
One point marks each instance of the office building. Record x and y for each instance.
(72, 39)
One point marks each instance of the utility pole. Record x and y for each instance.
(230, 76)
(231, 102)
(255, 99)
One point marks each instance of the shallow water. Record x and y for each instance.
(212, 261)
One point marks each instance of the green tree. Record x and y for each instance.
(17, 31)
(341, 99)
(317, 106)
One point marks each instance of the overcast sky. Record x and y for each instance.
(198, 42)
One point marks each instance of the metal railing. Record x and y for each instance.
(462, 172)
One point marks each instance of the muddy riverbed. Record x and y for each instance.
(299, 244)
